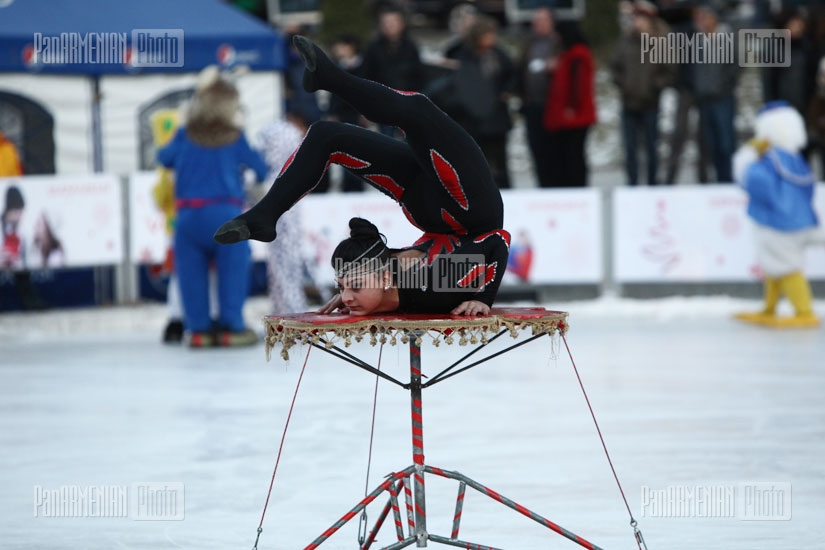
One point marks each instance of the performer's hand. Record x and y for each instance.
(335, 303)
(472, 307)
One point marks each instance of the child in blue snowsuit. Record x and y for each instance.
(209, 156)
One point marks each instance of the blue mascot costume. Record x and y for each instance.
(209, 155)
(780, 186)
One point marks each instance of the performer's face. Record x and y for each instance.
(362, 293)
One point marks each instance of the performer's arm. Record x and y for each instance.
(495, 246)
(334, 303)
(496, 250)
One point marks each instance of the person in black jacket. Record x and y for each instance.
(484, 80)
(392, 58)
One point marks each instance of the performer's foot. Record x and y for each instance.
(239, 229)
(313, 59)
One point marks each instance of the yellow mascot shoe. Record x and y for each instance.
(767, 316)
(808, 320)
(756, 317)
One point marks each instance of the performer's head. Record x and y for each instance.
(362, 267)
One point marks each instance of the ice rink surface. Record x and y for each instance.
(687, 400)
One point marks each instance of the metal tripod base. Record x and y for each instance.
(410, 480)
(417, 532)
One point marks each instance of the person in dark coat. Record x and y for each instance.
(536, 68)
(796, 82)
(713, 87)
(484, 81)
(640, 83)
(392, 57)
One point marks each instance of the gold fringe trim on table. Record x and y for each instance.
(289, 332)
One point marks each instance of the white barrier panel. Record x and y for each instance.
(557, 234)
(690, 234)
(65, 221)
(563, 230)
(148, 235)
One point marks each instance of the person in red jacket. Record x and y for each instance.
(571, 109)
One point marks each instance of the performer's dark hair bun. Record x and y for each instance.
(364, 244)
(359, 228)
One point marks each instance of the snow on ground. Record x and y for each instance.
(687, 399)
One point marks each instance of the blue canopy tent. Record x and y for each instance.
(210, 28)
(76, 111)
(213, 33)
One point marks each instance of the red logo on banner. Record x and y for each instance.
(128, 56)
(29, 56)
(226, 55)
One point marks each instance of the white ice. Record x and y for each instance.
(684, 396)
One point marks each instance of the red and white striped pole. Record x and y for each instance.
(420, 509)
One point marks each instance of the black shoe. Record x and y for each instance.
(312, 57)
(238, 230)
(173, 333)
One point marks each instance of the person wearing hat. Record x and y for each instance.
(780, 186)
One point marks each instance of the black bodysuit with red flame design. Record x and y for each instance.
(438, 176)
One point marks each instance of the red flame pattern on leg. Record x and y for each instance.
(288, 161)
(388, 184)
(449, 178)
(347, 161)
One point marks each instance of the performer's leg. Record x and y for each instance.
(458, 172)
(366, 153)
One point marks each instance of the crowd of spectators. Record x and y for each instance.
(488, 80)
